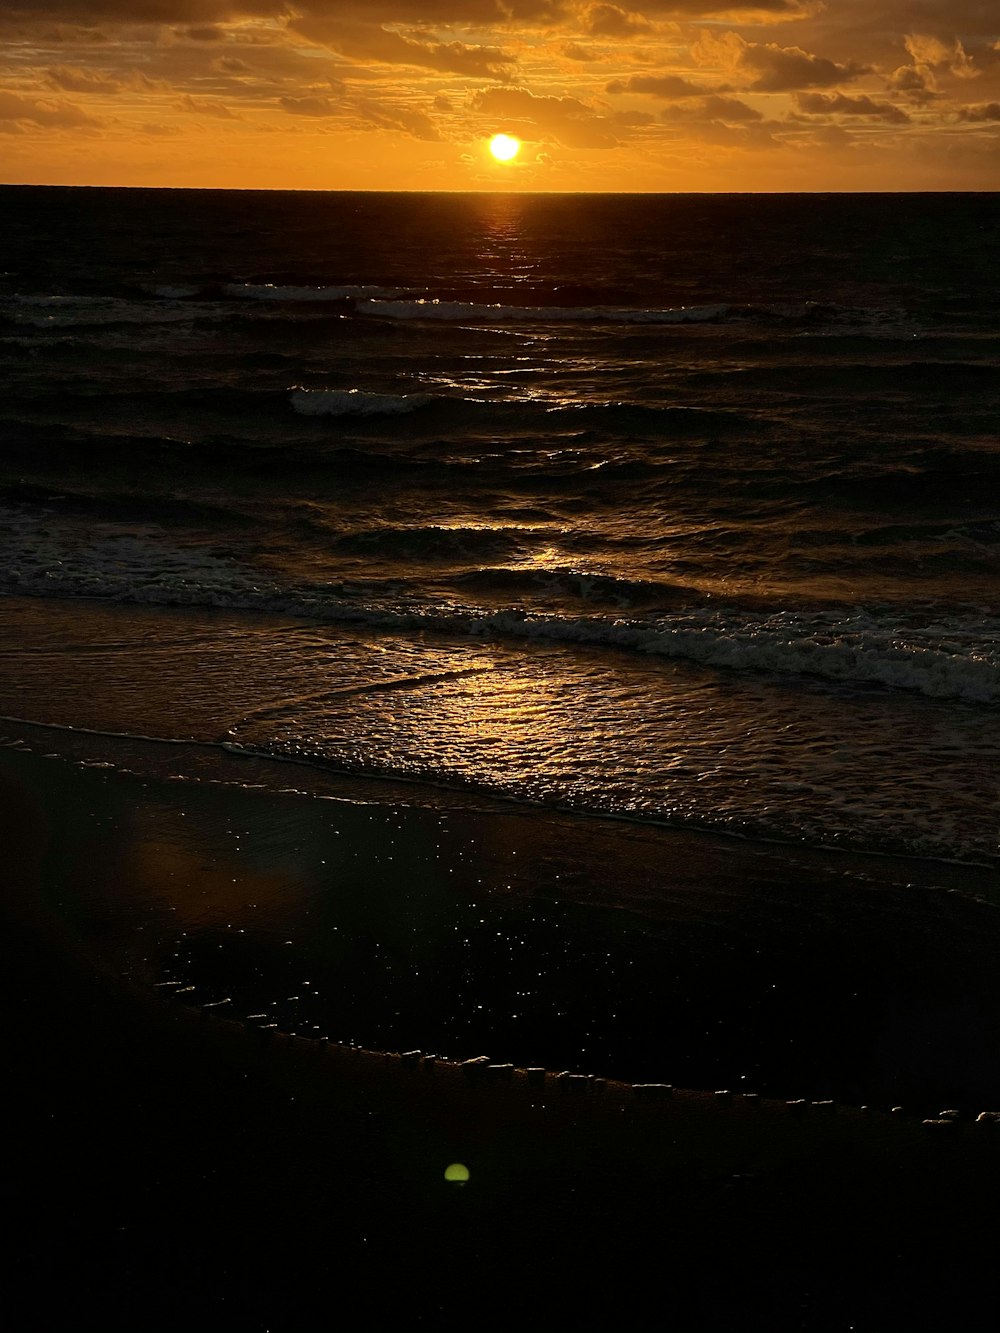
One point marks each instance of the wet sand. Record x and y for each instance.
(169, 1169)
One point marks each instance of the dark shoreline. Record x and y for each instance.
(356, 912)
(171, 1169)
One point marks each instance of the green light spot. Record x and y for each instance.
(457, 1174)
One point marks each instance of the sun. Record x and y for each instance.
(504, 148)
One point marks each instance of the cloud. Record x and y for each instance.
(482, 13)
(53, 113)
(204, 106)
(940, 56)
(370, 42)
(74, 80)
(16, 32)
(699, 8)
(309, 106)
(378, 11)
(565, 119)
(207, 32)
(980, 112)
(914, 82)
(728, 130)
(769, 67)
(410, 121)
(610, 21)
(632, 119)
(668, 86)
(137, 11)
(141, 82)
(837, 104)
(727, 109)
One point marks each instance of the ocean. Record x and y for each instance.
(641, 517)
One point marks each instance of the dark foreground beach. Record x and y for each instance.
(168, 1169)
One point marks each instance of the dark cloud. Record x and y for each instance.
(38, 111)
(610, 21)
(729, 110)
(782, 68)
(416, 12)
(137, 11)
(565, 119)
(681, 9)
(203, 106)
(51, 34)
(669, 86)
(141, 82)
(837, 104)
(771, 68)
(309, 106)
(907, 79)
(485, 13)
(411, 122)
(370, 42)
(728, 131)
(980, 112)
(632, 119)
(72, 80)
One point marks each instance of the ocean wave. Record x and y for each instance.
(438, 542)
(57, 312)
(810, 315)
(435, 308)
(582, 585)
(507, 413)
(949, 659)
(177, 302)
(270, 291)
(354, 402)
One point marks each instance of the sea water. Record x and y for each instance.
(678, 509)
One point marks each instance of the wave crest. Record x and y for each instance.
(354, 402)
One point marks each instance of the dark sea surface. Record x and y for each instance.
(679, 509)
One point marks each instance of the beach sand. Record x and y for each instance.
(168, 1169)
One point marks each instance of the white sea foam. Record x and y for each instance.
(354, 402)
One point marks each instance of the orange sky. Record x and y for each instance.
(404, 94)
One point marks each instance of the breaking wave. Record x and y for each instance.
(952, 658)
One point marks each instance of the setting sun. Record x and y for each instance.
(504, 148)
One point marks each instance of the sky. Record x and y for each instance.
(675, 95)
